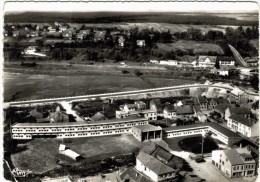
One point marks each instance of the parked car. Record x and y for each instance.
(199, 160)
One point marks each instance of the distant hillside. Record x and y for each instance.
(116, 17)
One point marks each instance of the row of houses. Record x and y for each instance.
(204, 61)
(56, 30)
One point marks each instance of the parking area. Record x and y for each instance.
(208, 172)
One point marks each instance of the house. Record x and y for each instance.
(156, 105)
(169, 112)
(59, 116)
(140, 105)
(34, 33)
(243, 111)
(98, 116)
(68, 33)
(169, 62)
(221, 108)
(206, 61)
(226, 61)
(238, 95)
(140, 43)
(16, 33)
(52, 27)
(252, 62)
(234, 162)
(201, 116)
(245, 126)
(146, 132)
(152, 168)
(121, 40)
(178, 111)
(148, 114)
(203, 102)
(83, 34)
(212, 103)
(154, 61)
(99, 35)
(129, 107)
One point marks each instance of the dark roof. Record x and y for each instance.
(242, 120)
(221, 108)
(148, 127)
(170, 108)
(132, 173)
(212, 100)
(225, 58)
(162, 153)
(202, 99)
(185, 109)
(215, 126)
(240, 110)
(154, 164)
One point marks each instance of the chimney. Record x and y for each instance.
(240, 145)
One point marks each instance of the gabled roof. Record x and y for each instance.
(233, 156)
(211, 58)
(242, 120)
(154, 164)
(236, 91)
(202, 100)
(185, 109)
(221, 108)
(239, 110)
(162, 153)
(133, 175)
(170, 108)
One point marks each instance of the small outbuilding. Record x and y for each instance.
(147, 132)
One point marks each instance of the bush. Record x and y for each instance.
(138, 73)
(125, 71)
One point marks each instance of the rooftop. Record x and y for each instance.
(154, 164)
(221, 108)
(215, 126)
(242, 120)
(112, 121)
(148, 127)
(239, 110)
(211, 58)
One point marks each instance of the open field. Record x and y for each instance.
(197, 47)
(42, 154)
(134, 17)
(20, 86)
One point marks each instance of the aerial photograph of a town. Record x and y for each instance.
(130, 92)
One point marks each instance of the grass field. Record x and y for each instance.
(41, 154)
(197, 47)
(20, 86)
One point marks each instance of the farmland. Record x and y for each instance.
(98, 147)
(92, 80)
(197, 47)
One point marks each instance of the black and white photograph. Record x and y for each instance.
(130, 91)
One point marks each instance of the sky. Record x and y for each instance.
(225, 7)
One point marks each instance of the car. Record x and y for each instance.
(199, 160)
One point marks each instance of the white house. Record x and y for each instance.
(226, 61)
(245, 126)
(234, 162)
(153, 168)
(140, 43)
(206, 61)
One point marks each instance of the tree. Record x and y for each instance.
(217, 65)
(255, 82)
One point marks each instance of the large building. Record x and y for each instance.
(73, 129)
(245, 126)
(147, 132)
(218, 132)
(234, 162)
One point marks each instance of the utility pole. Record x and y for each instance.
(202, 146)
